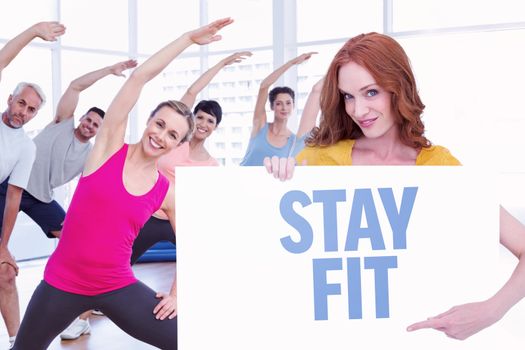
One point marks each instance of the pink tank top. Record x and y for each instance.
(179, 156)
(103, 220)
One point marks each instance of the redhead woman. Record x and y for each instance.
(371, 115)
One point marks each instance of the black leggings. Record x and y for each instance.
(51, 310)
(153, 231)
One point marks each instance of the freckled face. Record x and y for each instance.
(367, 103)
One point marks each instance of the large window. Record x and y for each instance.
(159, 21)
(334, 19)
(409, 15)
(252, 27)
(15, 16)
(96, 24)
(170, 85)
(75, 64)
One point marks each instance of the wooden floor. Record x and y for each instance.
(104, 334)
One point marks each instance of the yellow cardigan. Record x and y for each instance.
(341, 154)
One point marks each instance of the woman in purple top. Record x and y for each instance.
(119, 190)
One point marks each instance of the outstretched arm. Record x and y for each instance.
(69, 100)
(191, 94)
(310, 110)
(111, 135)
(259, 115)
(462, 321)
(48, 31)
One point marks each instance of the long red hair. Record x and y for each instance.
(389, 65)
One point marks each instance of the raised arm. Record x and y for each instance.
(460, 322)
(111, 135)
(191, 94)
(48, 31)
(310, 110)
(259, 115)
(69, 100)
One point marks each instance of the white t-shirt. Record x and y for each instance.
(17, 154)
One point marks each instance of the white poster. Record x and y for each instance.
(336, 258)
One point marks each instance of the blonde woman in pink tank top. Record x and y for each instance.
(119, 190)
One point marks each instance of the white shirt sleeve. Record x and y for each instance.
(22, 170)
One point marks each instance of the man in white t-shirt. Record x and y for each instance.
(61, 151)
(17, 153)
